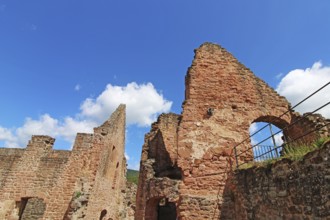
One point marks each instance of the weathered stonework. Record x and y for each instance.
(130, 200)
(87, 183)
(307, 123)
(159, 176)
(222, 99)
(285, 190)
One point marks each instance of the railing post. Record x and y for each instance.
(275, 147)
(235, 151)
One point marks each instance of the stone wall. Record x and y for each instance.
(187, 160)
(223, 98)
(314, 125)
(87, 182)
(131, 189)
(159, 176)
(285, 190)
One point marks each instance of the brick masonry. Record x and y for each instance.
(187, 159)
(87, 182)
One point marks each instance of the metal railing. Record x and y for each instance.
(261, 152)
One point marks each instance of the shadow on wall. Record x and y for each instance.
(31, 208)
(164, 166)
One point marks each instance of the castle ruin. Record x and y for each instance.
(187, 160)
(187, 163)
(85, 183)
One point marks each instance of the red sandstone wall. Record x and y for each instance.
(8, 157)
(315, 125)
(159, 176)
(110, 179)
(222, 99)
(217, 80)
(92, 174)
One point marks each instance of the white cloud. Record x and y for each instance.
(299, 83)
(253, 128)
(70, 126)
(45, 125)
(143, 103)
(6, 134)
(126, 156)
(77, 87)
(278, 139)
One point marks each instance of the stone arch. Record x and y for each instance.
(269, 146)
(279, 122)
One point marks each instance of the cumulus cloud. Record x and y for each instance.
(299, 83)
(143, 103)
(45, 125)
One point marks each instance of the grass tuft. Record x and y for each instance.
(294, 152)
(297, 151)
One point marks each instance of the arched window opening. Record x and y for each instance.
(103, 214)
(266, 141)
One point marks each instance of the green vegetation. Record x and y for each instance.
(294, 152)
(77, 194)
(298, 150)
(132, 176)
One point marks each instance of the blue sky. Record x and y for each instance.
(64, 65)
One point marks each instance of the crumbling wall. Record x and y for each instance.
(159, 176)
(130, 200)
(222, 99)
(308, 127)
(285, 190)
(81, 183)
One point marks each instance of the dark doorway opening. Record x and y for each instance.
(166, 210)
